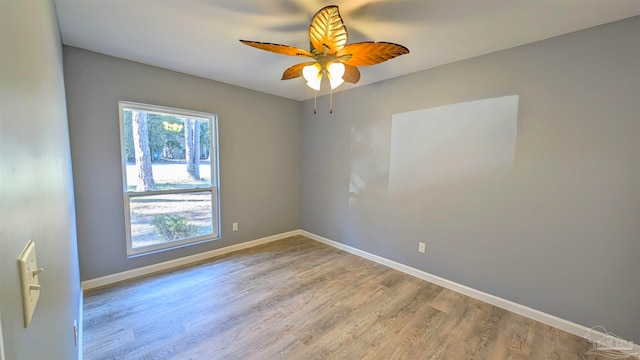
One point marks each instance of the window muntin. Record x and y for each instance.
(170, 177)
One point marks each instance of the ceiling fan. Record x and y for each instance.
(330, 53)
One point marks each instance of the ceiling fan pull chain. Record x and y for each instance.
(315, 94)
(331, 102)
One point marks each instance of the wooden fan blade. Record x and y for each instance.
(370, 53)
(277, 48)
(351, 74)
(295, 71)
(327, 31)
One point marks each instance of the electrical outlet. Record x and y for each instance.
(422, 247)
(75, 333)
(1, 342)
(235, 226)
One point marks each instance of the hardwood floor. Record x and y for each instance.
(300, 299)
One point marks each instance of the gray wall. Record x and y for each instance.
(36, 183)
(259, 137)
(559, 232)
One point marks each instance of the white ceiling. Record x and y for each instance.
(200, 37)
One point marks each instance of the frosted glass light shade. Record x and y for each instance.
(313, 75)
(335, 83)
(336, 71)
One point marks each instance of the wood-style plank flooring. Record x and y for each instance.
(300, 299)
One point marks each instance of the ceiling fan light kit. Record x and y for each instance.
(332, 55)
(313, 75)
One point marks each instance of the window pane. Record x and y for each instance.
(170, 174)
(164, 152)
(157, 219)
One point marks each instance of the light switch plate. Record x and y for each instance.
(29, 271)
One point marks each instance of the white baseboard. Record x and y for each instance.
(562, 324)
(147, 270)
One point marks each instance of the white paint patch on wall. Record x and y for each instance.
(452, 142)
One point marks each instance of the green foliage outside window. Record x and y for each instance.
(173, 226)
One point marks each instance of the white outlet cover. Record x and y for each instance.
(30, 285)
(1, 341)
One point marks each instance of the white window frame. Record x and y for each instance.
(214, 187)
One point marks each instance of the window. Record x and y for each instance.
(170, 177)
